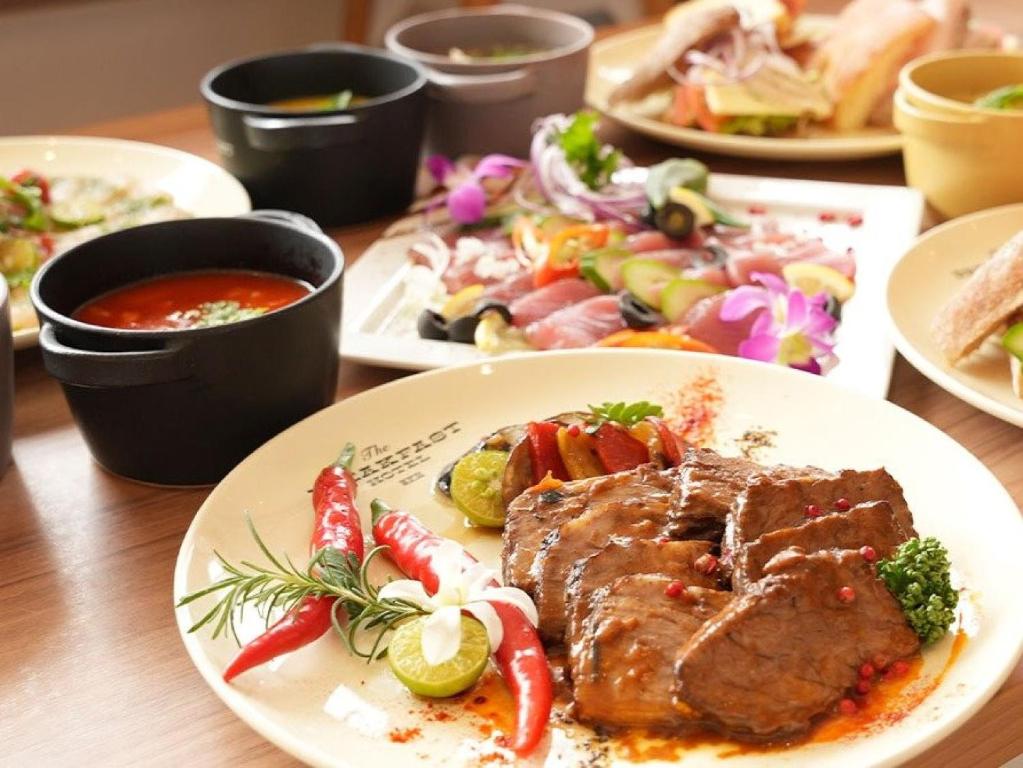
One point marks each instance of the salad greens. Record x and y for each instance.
(592, 161)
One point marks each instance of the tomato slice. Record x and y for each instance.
(618, 450)
(542, 437)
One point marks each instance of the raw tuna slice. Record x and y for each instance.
(768, 249)
(653, 240)
(542, 302)
(703, 321)
(510, 288)
(579, 325)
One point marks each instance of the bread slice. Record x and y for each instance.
(859, 61)
(989, 297)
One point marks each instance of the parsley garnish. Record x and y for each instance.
(626, 414)
(592, 161)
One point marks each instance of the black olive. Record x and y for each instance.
(833, 307)
(675, 220)
(431, 325)
(649, 216)
(636, 314)
(463, 329)
(493, 305)
(551, 497)
(713, 256)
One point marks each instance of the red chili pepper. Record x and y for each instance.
(27, 178)
(337, 526)
(618, 450)
(669, 441)
(520, 657)
(542, 437)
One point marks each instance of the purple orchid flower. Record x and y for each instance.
(792, 329)
(466, 199)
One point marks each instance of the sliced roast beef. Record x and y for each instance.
(577, 539)
(678, 559)
(622, 665)
(787, 650)
(770, 502)
(709, 485)
(872, 524)
(533, 514)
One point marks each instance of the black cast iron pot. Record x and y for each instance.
(182, 407)
(338, 166)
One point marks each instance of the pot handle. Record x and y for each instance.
(281, 134)
(91, 368)
(277, 216)
(482, 89)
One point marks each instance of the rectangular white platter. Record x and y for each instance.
(374, 331)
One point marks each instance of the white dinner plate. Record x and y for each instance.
(613, 59)
(330, 709)
(924, 279)
(198, 186)
(374, 333)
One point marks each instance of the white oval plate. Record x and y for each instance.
(329, 709)
(924, 279)
(613, 59)
(198, 186)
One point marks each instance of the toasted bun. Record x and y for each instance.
(860, 60)
(991, 295)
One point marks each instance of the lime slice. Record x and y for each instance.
(812, 279)
(405, 655)
(476, 487)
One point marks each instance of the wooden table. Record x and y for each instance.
(91, 666)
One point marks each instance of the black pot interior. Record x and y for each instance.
(312, 73)
(131, 255)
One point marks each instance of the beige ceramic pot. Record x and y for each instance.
(950, 81)
(481, 104)
(961, 162)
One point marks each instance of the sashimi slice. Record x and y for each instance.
(703, 321)
(511, 288)
(772, 259)
(579, 325)
(654, 240)
(542, 302)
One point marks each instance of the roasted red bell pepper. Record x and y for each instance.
(618, 450)
(520, 657)
(336, 526)
(669, 441)
(542, 440)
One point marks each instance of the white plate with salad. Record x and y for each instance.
(57, 191)
(328, 707)
(576, 247)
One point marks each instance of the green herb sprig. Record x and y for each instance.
(918, 576)
(593, 161)
(626, 414)
(282, 585)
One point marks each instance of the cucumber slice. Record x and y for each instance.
(646, 278)
(680, 294)
(1012, 340)
(603, 267)
(78, 212)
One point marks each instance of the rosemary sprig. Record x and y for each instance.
(282, 585)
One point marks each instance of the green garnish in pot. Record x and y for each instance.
(677, 172)
(626, 414)
(592, 161)
(918, 575)
(1007, 97)
(342, 101)
(213, 313)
